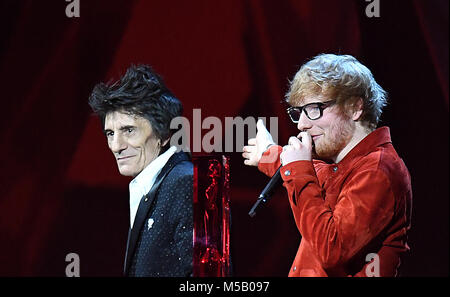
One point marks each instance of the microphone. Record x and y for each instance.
(265, 195)
(274, 182)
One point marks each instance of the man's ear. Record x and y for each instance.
(358, 107)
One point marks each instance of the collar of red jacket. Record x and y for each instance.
(375, 139)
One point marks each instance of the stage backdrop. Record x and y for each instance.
(60, 191)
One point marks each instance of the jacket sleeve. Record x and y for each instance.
(270, 160)
(183, 222)
(364, 207)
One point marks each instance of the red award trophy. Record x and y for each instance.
(211, 216)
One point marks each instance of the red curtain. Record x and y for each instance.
(60, 189)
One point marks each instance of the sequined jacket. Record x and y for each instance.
(353, 216)
(160, 242)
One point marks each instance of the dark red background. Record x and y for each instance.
(60, 190)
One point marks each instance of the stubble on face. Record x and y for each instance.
(335, 138)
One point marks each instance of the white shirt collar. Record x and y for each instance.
(144, 181)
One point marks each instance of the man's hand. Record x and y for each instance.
(297, 149)
(257, 146)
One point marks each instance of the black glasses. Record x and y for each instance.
(313, 111)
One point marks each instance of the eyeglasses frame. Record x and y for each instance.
(321, 106)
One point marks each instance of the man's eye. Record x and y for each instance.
(129, 130)
(109, 134)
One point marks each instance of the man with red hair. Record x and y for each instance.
(349, 191)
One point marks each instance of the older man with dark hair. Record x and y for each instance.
(349, 191)
(135, 113)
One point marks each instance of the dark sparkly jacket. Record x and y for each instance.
(160, 242)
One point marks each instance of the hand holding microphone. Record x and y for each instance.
(298, 148)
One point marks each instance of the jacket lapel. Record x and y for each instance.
(145, 205)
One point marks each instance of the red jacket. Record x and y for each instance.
(346, 211)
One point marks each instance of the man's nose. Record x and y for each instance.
(303, 122)
(117, 144)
